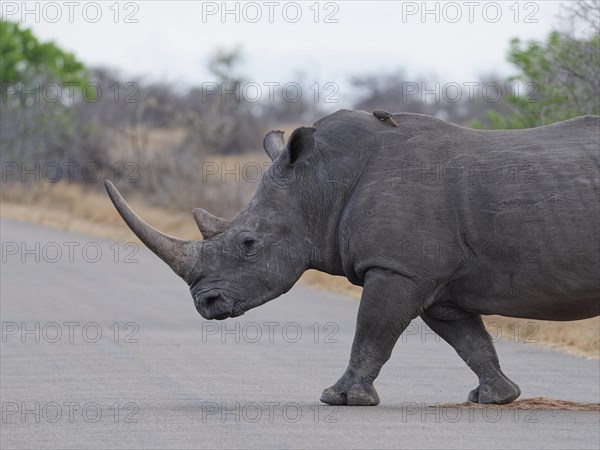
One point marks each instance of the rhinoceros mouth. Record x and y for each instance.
(236, 310)
(222, 316)
(237, 313)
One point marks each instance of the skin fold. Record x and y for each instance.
(432, 219)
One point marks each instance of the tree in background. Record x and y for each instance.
(559, 79)
(24, 60)
(45, 118)
(395, 91)
(386, 90)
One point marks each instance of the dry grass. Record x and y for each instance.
(87, 210)
(534, 403)
(580, 337)
(331, 283)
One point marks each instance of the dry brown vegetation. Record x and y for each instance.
(87, 209)
(534, 403)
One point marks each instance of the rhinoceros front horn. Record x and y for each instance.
(181, 256)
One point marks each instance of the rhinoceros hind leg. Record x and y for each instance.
(467, 334)
(501, 392)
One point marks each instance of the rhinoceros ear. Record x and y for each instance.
(301, 144)
(209, 225)
(274, 144)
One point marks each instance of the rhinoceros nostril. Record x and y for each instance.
(205, 301)
(211, 299)
(212, 305)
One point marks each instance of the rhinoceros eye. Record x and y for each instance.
(249, 242)
(248, 245)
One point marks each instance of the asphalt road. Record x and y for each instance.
(160, 376)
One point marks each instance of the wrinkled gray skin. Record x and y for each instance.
(433, 219)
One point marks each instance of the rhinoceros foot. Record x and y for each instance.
(357, 394)
(499, 391)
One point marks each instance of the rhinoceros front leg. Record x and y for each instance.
(467, 334)
(388, 303)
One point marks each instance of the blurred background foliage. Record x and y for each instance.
(54, 109)
(563, 73)
(25, 60)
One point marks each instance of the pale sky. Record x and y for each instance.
(172, 41)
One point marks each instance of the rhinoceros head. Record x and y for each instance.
(253, 258)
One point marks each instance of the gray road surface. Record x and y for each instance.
(160, 376)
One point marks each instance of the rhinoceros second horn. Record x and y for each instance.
(209, 225)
